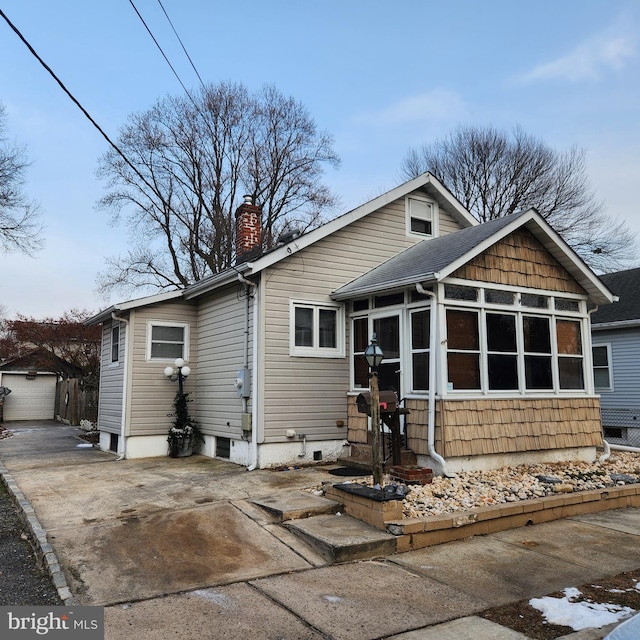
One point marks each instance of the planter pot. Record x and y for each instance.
(185, 450)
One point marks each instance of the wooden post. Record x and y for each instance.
(376, 453)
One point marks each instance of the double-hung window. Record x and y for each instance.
(421, 216)
(167, 341)
(317, 330)
(602, 367)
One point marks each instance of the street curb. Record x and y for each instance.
(38, 537)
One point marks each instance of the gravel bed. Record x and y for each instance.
(470, 490)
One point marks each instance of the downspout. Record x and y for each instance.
(253, 447)
(431, 426)
(121, 441)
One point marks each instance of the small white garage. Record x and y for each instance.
(32, 397)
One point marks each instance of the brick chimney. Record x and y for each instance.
(248, 230)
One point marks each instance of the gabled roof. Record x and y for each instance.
(436, 259)
(425, 182)
(626, 312)
(119, 307)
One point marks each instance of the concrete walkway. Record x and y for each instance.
(175, 548)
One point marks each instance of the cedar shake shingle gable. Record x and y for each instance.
(626, 285)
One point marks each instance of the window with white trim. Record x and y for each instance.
(167, 340)
(420, 334)
(421, 216)
(602, 370)
(317, 330)
(115, 343)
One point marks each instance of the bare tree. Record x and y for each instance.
(20, 224)
(494, 174)
(191, 159)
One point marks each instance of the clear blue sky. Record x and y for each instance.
(380, 76)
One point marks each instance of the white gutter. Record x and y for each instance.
(121, 447)
(253, 448)
(431, 426)
(620, 447)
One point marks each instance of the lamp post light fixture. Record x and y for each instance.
(180, 372)
(373, 355)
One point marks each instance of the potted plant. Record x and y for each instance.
(184, 435)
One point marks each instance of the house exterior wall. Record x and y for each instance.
(150, 403)
(308, 394)
(221, 354)
(621, 404)
(111, 381)
(488, 427)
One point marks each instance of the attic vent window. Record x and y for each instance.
(421, 216)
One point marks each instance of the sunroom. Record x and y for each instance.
(486, 338)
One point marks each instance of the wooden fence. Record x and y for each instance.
(76, 401)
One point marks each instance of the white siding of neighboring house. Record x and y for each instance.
(221, 354)
(305, 393)
(150, 402)
(625, 365)
(111, 382)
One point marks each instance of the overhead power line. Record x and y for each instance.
(186, 53)
(164, 55)
(74, 99)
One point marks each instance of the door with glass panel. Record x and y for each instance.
(387, 330)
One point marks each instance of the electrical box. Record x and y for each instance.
(246, 422)
(242, 383)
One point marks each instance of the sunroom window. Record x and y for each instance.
(537, 353)
(420, 331)
(570, 367)
(502, 351)
(463, 349)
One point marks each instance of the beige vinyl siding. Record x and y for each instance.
(221, 340)
(150, 404)
(308, 394)
(111, 382)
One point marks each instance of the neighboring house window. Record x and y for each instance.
(317, 330)
(167, 341)
(115, 343)
(602, 377)
(421, 216)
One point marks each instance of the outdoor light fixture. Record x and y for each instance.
(180, 372)
(373, 354)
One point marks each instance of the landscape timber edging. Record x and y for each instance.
(417, 533)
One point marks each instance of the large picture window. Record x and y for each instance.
(316, 330)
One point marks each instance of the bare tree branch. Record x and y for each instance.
(495, 174)
(20, 221)
(199, 155)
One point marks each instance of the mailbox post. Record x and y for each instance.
(374, 356)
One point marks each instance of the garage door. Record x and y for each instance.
(29, 399)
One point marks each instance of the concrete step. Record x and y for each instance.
(293, 505)
(340, 538)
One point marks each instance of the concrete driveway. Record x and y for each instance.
(174, 548)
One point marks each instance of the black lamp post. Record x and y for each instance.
(373, 355)
(180, 372)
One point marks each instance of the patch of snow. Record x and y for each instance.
(332, 598)
(578, 615)
(84, 446)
